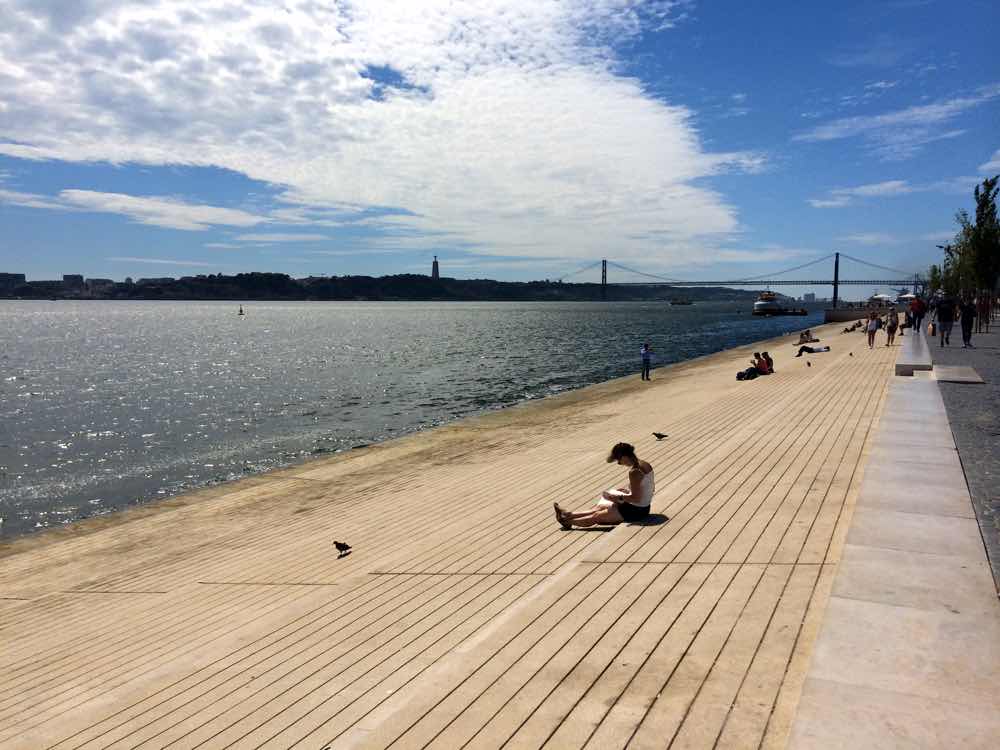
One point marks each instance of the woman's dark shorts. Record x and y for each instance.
(633, 512)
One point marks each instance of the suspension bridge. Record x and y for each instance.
(899, 279)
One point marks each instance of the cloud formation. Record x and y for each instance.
(279, 237)
(840, 197)
(161, 261)
(993, 165)
(898, 135)
(159, 211)
(500, 128)
(869, 238)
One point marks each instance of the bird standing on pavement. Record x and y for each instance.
(659, 435)
(808, 363)
(342, 548)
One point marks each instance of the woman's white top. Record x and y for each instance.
(646, 489)
(872, 325)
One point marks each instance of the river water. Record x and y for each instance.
(108, 404)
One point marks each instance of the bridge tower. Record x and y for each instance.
(604, 279)
(836, 278)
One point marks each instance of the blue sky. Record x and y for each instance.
(515, 139)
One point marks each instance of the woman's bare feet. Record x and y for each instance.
(559, 517)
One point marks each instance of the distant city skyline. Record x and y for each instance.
(516, 140)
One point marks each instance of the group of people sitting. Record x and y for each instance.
(761, 364)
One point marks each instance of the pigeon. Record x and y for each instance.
(850, 354)
(659, 435)
(808, 363)
(342, 548)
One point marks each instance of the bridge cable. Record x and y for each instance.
(876, 265)
(642, 273)
(579, 270)
(787, 270)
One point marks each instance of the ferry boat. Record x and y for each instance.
(767, 304)
(681, 302)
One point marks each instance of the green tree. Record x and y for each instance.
(934, 280)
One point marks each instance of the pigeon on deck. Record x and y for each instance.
(342, 548)
(808, 363)
(659, 435)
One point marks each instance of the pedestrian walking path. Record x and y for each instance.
(464, 616)
(909, 652)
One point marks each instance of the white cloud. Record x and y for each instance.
(32, 200)
(160, 261)
(502, 127)
(869, 238)
(222, 245)
(881, 85)
(158, 211)
(993, 165)
(882, 51)
(759, 255)
(829, 202)
(170, 213)
(840, 197)
(901, 134)
(938, 236)
(280, 237)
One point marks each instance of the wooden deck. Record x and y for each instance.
(465, 617)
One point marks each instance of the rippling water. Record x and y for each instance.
(107, 404)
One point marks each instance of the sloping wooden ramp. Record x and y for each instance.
(465, 617)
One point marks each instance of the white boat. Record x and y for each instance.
(767, 304)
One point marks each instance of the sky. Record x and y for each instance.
(514, 139)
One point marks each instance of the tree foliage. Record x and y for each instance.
(972, 260)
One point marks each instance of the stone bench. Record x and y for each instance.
(915, 355)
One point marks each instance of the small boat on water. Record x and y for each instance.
(681, 302)
(767, 304)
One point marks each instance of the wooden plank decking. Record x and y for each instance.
(466, 617)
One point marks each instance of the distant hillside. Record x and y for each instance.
(278, 286)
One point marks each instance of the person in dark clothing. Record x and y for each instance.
(917, 310)
(647, 355)
(812, 350)
(968, 312)
(945, 314)
(770, 362)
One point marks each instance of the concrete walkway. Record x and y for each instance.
(909, 652)
(466, 617)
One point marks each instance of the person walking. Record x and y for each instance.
(647, 354)
(871, 328)
(891, 326)
(917, 310)
(945, 314)
(968, 313)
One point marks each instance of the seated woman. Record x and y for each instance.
(623, 504)
(812, 350)
(806, 337)
(770, 362)
(760, 364)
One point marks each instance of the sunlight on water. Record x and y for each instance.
(106, 404)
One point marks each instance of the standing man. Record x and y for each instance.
(917, 310)
(968, 313)
(945, 313)
(647, 355)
